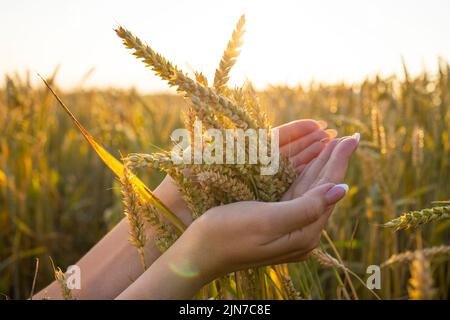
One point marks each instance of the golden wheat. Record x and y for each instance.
(291, 292)
(132, 211)
(204, 99)
(408, 256)
(60, 278)
(229, 57)
(417, 218)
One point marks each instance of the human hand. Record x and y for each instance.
(247, 234)
(299, 140)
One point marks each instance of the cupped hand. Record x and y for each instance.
(247, 234)
(299, 140)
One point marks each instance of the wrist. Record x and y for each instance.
(189, 258)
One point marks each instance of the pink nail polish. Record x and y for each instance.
(336, 193)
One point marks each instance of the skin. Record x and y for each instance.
(111, 269)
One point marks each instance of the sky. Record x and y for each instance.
(287, 42)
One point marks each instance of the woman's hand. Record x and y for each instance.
(247, 234)
(299, 140)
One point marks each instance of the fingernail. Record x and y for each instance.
(336, 193)
(357, 136)
(325, 140)
(322, 124)
(331, 133)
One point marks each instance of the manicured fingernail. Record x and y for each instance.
(331, 133)
(336, 193)
(322, 124)
(357, 136)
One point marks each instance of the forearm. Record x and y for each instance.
(113, 263)
(108, 268)
(178, 274)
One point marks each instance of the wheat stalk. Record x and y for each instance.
(378, 131)
(421, 281)
(417, 218)
(408, 256)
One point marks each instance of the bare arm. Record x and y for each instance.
(113, 263)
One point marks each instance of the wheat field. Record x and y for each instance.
(57, 198)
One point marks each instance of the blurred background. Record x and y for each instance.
(286, 41)
(380, 68)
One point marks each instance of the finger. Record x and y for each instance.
(335, 169)
(311, 172)
(286, 258)
(309, 153)
(307, 237)
(322, 124)
(300, 168)
(287, 216)
(292, 257)
(336, 193)
(294, 147)
(296, 129)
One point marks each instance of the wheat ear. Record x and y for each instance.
(232, 186)
(229, 57)
(408, 256)
(329, 261)
(291, 292)
(60, 277)
(132, 211)
(205, 100)
(326, 259)
(417, 218)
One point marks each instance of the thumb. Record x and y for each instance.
(308, 208)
